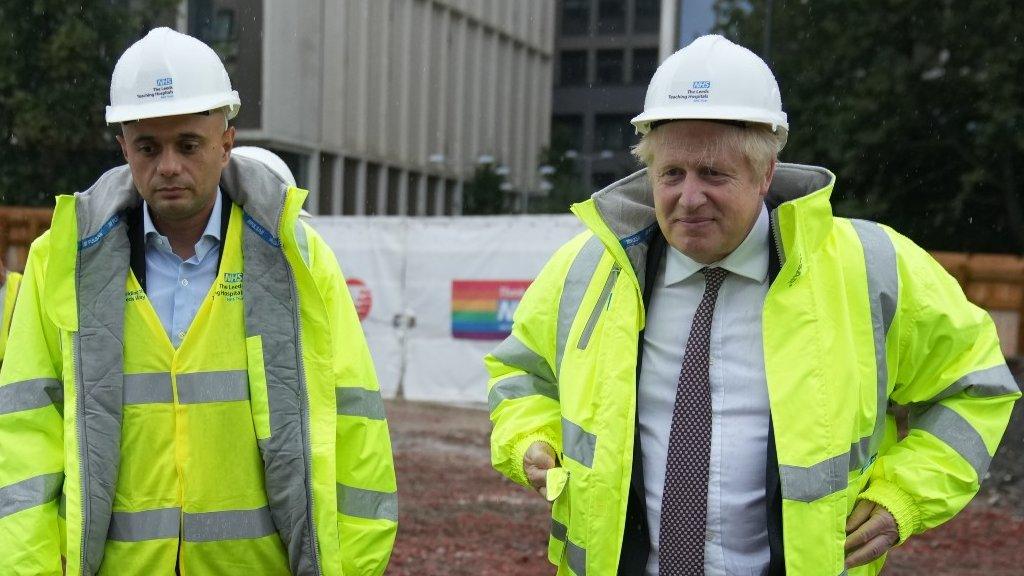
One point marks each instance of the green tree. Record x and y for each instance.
(917, 105)
(566, 183)
(56, 58)
(483, 194)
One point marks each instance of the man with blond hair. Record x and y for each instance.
(701, 381)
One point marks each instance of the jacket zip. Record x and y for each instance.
(307, 433)
(602, 302)
(76, 361)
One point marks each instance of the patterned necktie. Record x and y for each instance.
(684, 499)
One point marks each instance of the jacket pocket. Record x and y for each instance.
(258, 387)
(603, 301)
(560, 519)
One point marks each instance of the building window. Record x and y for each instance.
(612, 132)
(647, 16)
(611, 17)
(645, 62)
(575, 17)
(572, 68)
(216, 27)
(609, 67)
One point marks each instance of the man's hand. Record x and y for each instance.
(870, 532)
(539, 458)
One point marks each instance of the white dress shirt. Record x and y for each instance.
(177, 287)
(736, 541)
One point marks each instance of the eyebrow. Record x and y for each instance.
(183, 136)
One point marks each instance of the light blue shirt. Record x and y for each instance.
(177, 287)
(736, 539)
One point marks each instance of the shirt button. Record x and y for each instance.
(181, 335)
(184, 282)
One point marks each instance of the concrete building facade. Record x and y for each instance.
(388, 106)
(605, 54)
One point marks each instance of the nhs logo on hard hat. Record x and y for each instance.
(164, 88)
(702, 85)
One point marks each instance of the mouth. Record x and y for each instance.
(171, 190)
(694, 220)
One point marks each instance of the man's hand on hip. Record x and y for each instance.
(539, 458)
(870, 532)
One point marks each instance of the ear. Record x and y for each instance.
(124, 146)
(227, 143)
(768, 178)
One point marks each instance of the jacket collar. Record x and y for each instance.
(622, 214)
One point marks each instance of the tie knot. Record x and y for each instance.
(714, 276)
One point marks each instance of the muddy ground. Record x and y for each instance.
(459, 517)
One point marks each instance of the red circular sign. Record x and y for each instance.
(361, 297)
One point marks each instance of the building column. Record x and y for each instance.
(421, 194)
(337, 184)
(313, 182)
(403, 193)
(360, 207)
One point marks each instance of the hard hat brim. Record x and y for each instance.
(643, 121)
(161, 109)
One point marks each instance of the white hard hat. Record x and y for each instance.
(168, 73)
(269, 159)
(713, 79)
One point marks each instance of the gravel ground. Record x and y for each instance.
(460, 517)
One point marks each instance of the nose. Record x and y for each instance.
(170, 164)
(692, 194)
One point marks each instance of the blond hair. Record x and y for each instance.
(756, 142)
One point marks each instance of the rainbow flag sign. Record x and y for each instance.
(483, 309)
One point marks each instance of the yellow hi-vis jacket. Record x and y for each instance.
(259, 446)
(10, 296)
(858, 318)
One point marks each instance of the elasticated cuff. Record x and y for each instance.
(519, 449)
(898, 503)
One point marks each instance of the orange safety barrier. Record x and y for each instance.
(19, 226)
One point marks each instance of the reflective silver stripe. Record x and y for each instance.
(150, 388)
(302, 241)
(359, 402)
(30, 394)
(578, 444)
(814, 482)
(602, 301)
(521, 386)
(577, 557)
(201, 387)
(30, 492)
(954, 430)
(984, 383)
(62, 505)
(369, 504)
(559, 531)
(145, 525)
(228, 525)
(576, 282)
(883, 293)
(512, 352)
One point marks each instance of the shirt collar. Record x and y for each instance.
(749, 259)
(212, 225)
